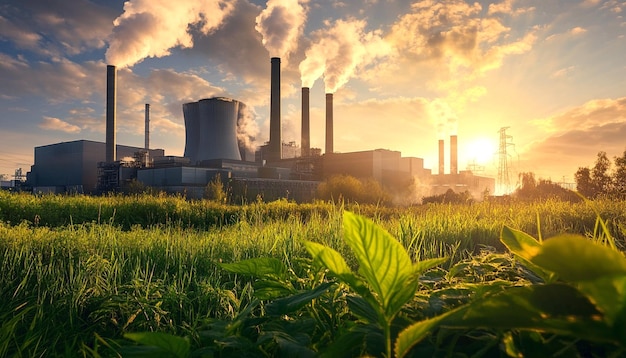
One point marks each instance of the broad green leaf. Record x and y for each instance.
(176, 346)
(575, 258)
(261, 267)
(330, 258)
(362, 308)
(272, 289)
(424, 265)
(383, 262)
(609, 295)
(519, 243)
(554, 308)
(413, 334)
(335, 263)
(524, 247)
(290, 304)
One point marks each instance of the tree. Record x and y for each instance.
(600, 174)
(584, 184)
(619, 176)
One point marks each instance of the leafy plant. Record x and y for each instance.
(386, 280)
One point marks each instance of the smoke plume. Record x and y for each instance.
(281, 24)
(247, 128)
(444, 117)
(339, 51)
(150, 28)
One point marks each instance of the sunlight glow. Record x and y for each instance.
(481, 151)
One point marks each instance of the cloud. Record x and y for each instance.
(152, 28)
(55, 124)
(281, 24)
(339, 51)
(577, 135)
(506, 7)
(563, 72)
(577, 31)
(450, 43)
(55, 28)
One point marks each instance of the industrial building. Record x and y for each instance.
(212, 149)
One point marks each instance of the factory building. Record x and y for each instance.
(213, 149)
(73, 166)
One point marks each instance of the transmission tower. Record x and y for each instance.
(504, 178)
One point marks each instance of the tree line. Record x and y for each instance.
(604, 178)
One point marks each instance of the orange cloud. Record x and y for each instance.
(55, 124)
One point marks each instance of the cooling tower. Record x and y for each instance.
(305, 131)
(191, 113)
(329, 123)
(147, 122)
(110, 114)
(275, 145)
(211, 129)
(441, 157)
(453, 155)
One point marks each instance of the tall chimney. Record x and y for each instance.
(329, 123)
(147, 144)
(305, 133)
(453, 155)
(110, 113)
(275, 145)
(441, 157)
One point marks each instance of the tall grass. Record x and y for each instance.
(77, 268)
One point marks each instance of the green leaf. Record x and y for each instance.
(519, 243)
(272, 289)
(168, 344)
(330, 258)
(383, 262)
(290, 304)
(424, 265)
(575, 258)
(413, 334)
(609, 295)
(335, 263)
(261, 267)
(525, 247)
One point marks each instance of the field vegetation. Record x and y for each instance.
(146, 275)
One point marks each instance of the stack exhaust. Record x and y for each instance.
(454, 168)
(147, 134)
(110, 114)
(275, 144)
(305, 134)
(329, 123)
(441, 157)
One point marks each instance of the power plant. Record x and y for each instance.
(212, 150)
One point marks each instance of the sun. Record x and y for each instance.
(481, 151)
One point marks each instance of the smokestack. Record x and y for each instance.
(275, 145)
(441, 157)
(110, 113)
(453, 155)
(305, 131)
(329, 123)
(147, 144)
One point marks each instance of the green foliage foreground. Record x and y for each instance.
(581, 298)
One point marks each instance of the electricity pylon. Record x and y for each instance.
(504, 178)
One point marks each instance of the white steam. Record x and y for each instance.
(151, 28)
(281, 24)
(339, 51)
(444, 117)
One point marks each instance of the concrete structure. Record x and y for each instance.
(275, 148)
(442, 164)
(73, 166)
(329, 123)
(110, 114)
(211, 129)
(454, 161)
(305, 132)
(147, 127)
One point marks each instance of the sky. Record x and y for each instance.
(404, 74)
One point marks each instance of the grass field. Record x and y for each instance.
(80, 272)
